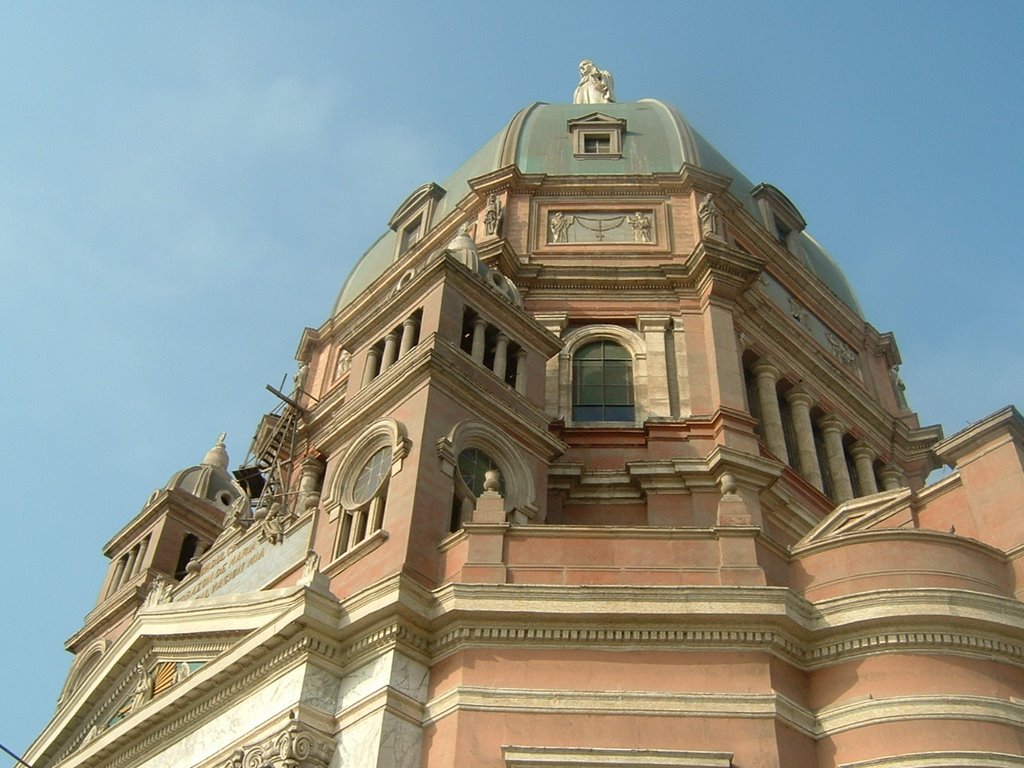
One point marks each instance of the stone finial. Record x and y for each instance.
(596, 86)
(463, 248)
(218, 455)
(492, 481)
(728, 484)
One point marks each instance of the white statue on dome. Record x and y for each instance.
(597, 86)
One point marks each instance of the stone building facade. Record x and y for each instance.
(595, 462)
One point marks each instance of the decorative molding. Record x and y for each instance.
(943, 759)
(860, 714)
(296, 746)
(603, 757)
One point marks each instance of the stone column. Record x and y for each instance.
(370, 369)
(140, 558)
(771, 418)
(892, 477)
(408, 336)
(129, 568)
(479, 329)
(390, 351)
(115, 580)
(800, 407)
(501, 356)
(521, 371)
(832, 434)
(864, 461)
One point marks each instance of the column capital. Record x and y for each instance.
(764, 369)
(799, 395)
(831, 423)
(861, 449)
(892, 477)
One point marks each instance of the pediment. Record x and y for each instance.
(171, 656)
(426, 193)
(596, 120)
(858, 515)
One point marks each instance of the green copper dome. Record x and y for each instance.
(658, 139)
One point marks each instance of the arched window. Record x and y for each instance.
(602, 383)
(467, 452)
(359, 492)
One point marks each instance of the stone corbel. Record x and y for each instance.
(295, 746)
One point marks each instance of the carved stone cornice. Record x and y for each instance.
(718, 270)
(295, 746)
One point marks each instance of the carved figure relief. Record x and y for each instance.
(270, 515)
(343, 363)
(299, 379)
(161, 591)
(600, 227)
(842, 351)
(899, 388)
(708, 215)
(596, 86)
(640, 222)
(312, 565)
(799, 313)
(495, 215)
(559, 225)
(143, 689)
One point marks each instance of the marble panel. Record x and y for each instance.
(320, 689)
(360, 743)
(401, 743)
(364, 680)
(410, 677)
(247, 565)
(222, 731)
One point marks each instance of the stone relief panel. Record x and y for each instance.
(578, 227)
(840, 351)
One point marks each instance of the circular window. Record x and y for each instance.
(372, 476)
(473, 466)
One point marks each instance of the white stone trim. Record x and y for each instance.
(598, 757)
(898, 709)
(943, 759)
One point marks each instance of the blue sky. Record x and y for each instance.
(184, 187)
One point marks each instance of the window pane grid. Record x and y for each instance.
(603, 383)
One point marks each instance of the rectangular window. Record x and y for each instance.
(597, 144)
(412, 233)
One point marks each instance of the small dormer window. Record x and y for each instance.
(411, 221)
(411, 234)
(779, 215)
(781, 230)
(597, 135)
